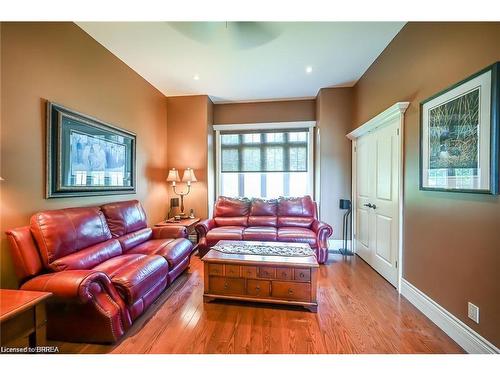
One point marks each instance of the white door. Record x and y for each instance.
(377, 199)
(364, 193)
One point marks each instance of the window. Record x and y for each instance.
(265, 164)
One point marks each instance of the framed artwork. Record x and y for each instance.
(459, 136)
(86, 156)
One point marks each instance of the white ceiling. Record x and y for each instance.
(244, 61)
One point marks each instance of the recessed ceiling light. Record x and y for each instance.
(196, 77)
(309, 69)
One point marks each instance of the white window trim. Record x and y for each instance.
(266, 126)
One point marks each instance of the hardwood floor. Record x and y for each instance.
(359, 312)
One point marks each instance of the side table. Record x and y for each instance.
(22, 318)
(189, 224)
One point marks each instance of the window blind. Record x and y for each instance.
(264, 151)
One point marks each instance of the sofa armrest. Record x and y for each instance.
(72, 284)
(204, 226)
(322, 228)
(323, 232)
(170, 232)
(86, 307)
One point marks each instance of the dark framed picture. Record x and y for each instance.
(86, 156)
(459, 136)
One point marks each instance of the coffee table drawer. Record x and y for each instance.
(249, 272)
(267, 272)
(226, 285)
(216, 269)
(291, 291)
(284, 273)
(231, 270)
(302, 274)
(258, 288)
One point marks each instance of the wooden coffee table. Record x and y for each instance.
(289, 280)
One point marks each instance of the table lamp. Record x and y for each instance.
(188, 177)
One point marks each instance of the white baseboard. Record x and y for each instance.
(462, 334)
(337, 244)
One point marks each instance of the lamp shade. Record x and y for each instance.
(173, 175)
(189, 176)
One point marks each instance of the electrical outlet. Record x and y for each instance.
(473, 312)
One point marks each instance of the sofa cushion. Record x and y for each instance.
(263, 212)
(296, 212)
(59, 233)
(295, 234)
(295, 221)
(260, 234)
(134, 275)
(173, 250)
(231, 207)
(133, 239)
(124, 217)
(302, 206)
(222, 221)
(264, 207)
(89, 257)
(262, 221)
(224, 233)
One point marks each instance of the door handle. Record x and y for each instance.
(369, 205)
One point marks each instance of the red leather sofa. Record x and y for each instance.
(103, 265)
(282, 220)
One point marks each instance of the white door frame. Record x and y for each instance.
(396, 111)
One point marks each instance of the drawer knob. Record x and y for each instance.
(226, 285)
(301, 275)
(290, 291)
(257, 288)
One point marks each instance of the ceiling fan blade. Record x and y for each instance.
(241, 35)
(253, 34)
(203, 32)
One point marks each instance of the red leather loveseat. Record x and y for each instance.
(282, 220)
(103, 265)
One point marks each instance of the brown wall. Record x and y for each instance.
(187, 127)
(334, 120)
(333, 112)
(451, 240)
(271, 111)
(60, 62)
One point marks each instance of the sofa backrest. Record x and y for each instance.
(296, 212)
(124, 217)
(263, 212)
(60, 234)
(282, 212)
(127, 222)
(231, 211)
